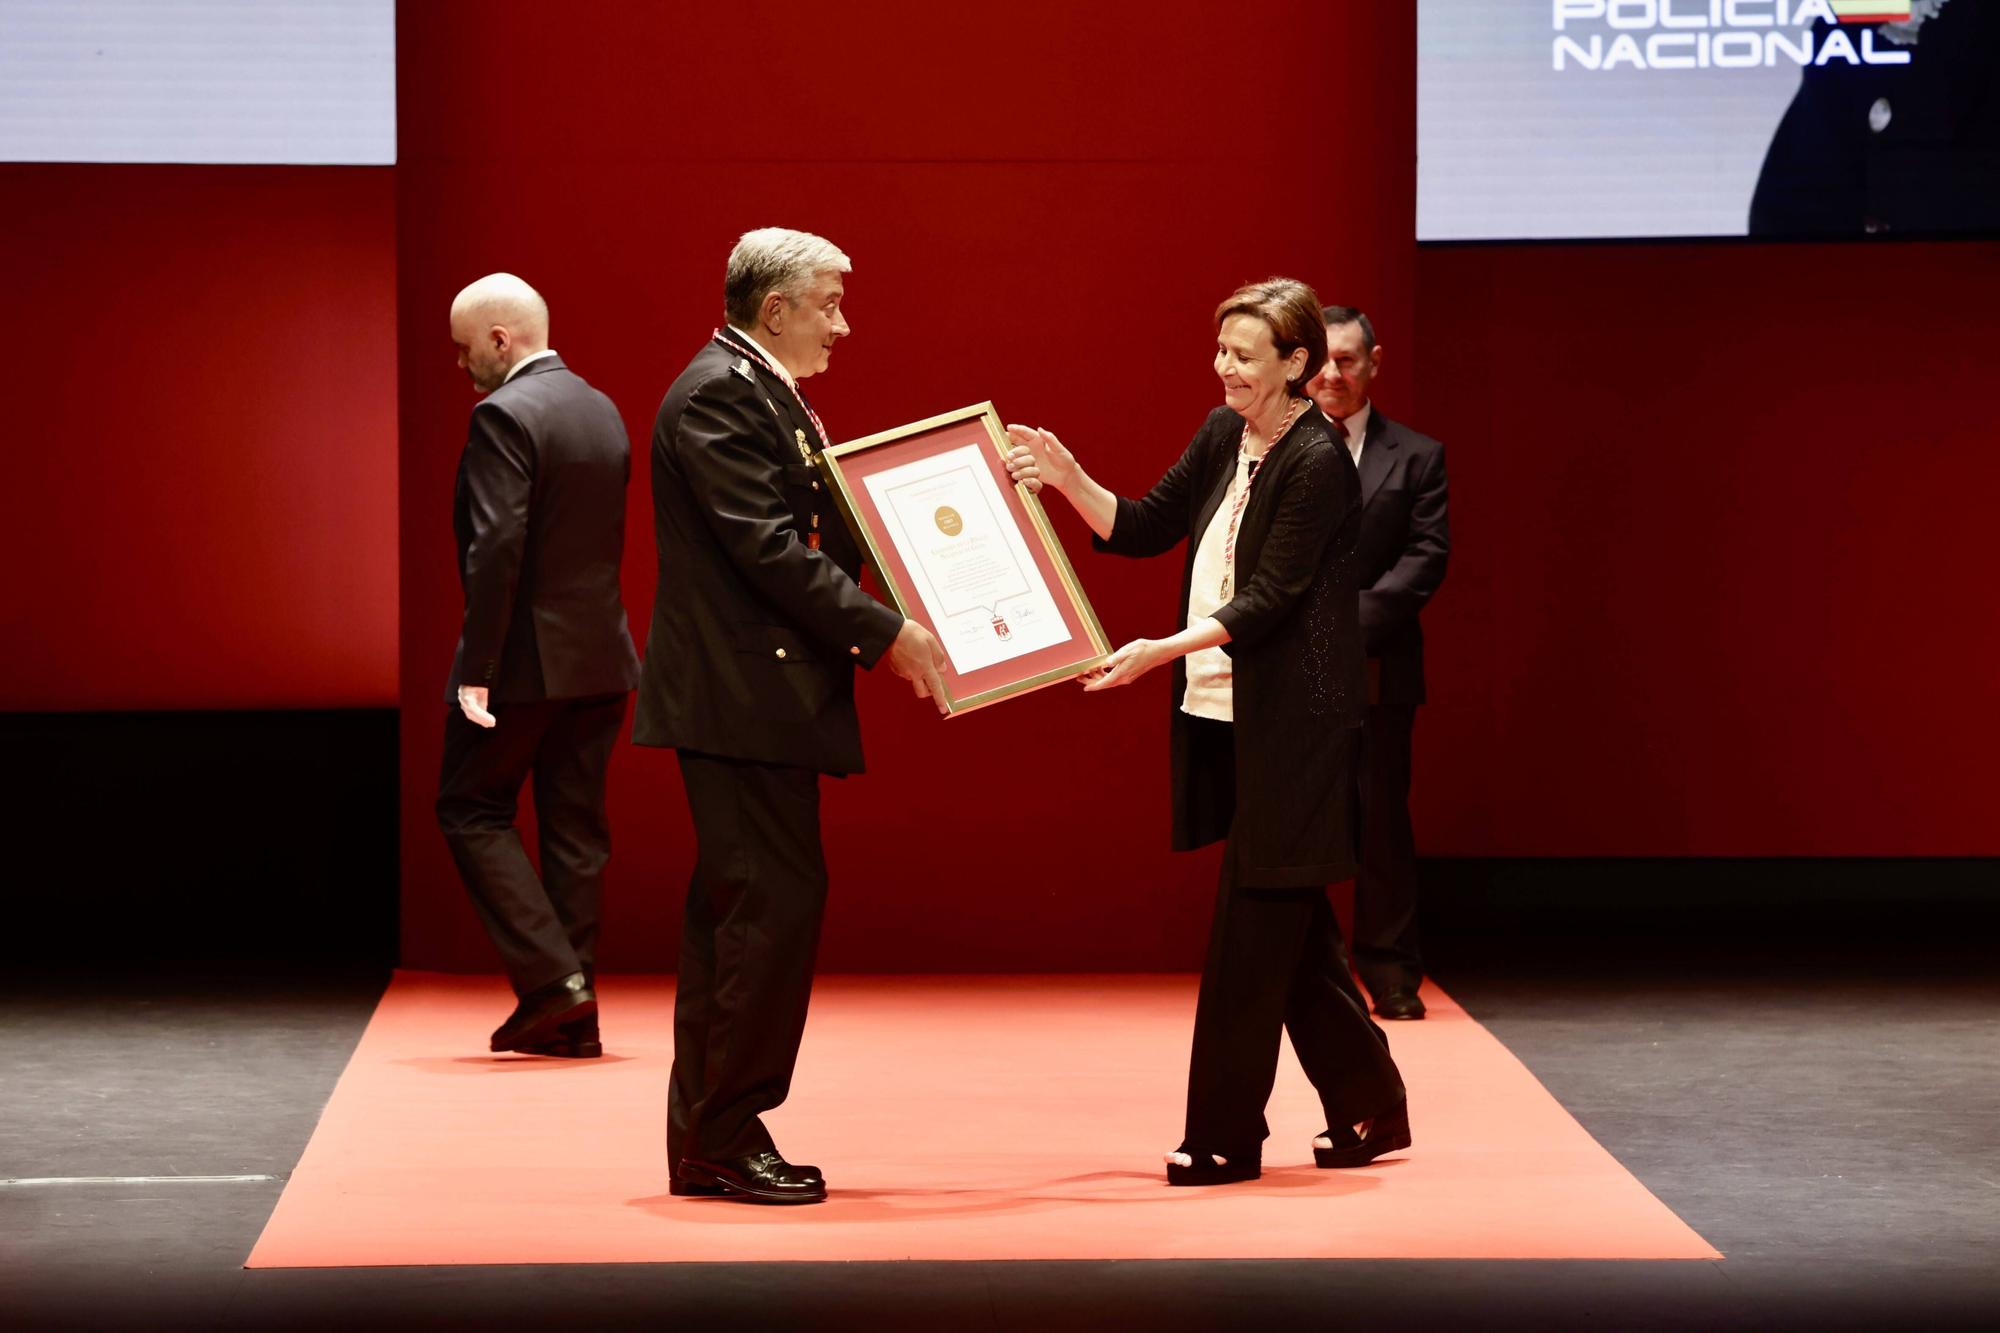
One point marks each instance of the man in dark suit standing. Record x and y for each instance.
(757, 628)
(544, 659)
(1401, 551)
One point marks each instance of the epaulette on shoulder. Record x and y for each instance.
(742, 367)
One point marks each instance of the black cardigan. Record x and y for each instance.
(1295, 643)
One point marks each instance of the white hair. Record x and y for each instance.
(775, 259)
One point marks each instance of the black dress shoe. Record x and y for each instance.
(687, 1189)
(1386, 1133)
(576, 1040)
(543, 1012)
(762, 1177)
(1399, 1004)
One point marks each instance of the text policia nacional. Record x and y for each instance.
(1724, 34)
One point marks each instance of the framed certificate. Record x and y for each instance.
(967, 554)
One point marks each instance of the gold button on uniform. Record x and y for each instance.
(855, 651)
(781, 652)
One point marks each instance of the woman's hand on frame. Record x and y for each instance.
(1126, 665)
(1021, 469)
(1053, 463)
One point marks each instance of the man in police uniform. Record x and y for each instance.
(749, 675)
(1886, 149)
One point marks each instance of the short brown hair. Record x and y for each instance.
(1291, 311)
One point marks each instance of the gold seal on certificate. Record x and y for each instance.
(968, 554)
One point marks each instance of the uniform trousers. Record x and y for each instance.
(748, 944)
(545, 926)
(1276, 964)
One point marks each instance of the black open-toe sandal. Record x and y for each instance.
(1206, 1170)
(1386, 1133)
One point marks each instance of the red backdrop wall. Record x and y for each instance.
(1043, 203)
(200, 503)
(1723, 566)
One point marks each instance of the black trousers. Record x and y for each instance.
(748, 944)
(545, 926)
(1385, 886)
(1276, 964)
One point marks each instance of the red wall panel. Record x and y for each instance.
(201, 480)
(1723, 566)
(1043, 203)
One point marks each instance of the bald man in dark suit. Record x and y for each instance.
(545, 659)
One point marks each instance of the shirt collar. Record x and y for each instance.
(765, 352)
(1356, 426)
(526, 361)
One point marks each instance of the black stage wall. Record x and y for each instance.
(207, 841)
(266, 842)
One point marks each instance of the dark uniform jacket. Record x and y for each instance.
(755, 635)
(1404, 544)
(539, 514)
(1881, 149)
(1295, 648)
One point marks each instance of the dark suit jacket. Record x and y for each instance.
(1402, 551)
(540, 519)
(1834, 169)
(1295, 648)
(755, 635)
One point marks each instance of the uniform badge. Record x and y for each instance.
(742, 367)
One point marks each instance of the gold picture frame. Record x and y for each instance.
(974, 572)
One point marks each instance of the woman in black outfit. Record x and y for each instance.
(1267, 693)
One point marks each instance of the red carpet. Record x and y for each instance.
(956, 1118)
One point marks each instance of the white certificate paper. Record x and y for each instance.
(972, 569)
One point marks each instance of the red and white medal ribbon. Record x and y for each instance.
(736, 346)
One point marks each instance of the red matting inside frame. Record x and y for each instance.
(857, 467)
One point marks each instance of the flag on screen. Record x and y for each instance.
(1871, 11)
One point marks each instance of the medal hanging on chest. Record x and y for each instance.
(798, 433)
(805, 452)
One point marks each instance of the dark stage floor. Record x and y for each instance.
(1828, 1117)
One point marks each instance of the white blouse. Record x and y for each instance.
(1211, 689)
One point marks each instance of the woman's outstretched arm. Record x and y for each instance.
(1059, 468)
